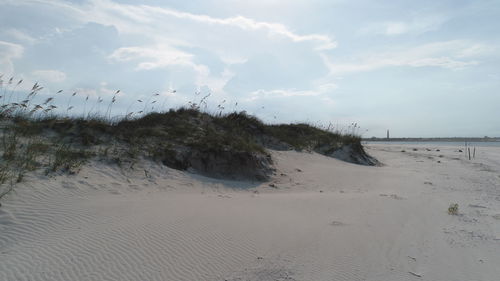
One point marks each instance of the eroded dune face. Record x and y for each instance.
(322, 219)
(234, 165)
(354, 154)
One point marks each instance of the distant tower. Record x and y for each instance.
(387, 134)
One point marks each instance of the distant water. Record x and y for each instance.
(439, 143)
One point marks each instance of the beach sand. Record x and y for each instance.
(318, 219)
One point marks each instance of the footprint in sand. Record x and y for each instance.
(477, 206)
(68, 185)
(397, 197)
(337, 223)
(134, 186)
(393, 196)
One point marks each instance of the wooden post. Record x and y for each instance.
(468, 148)
(474, 153)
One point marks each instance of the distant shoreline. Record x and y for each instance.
(457, 139)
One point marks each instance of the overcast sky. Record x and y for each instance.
(417, 68)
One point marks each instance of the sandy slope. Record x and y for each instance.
(325, 220)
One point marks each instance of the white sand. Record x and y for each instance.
(330, 221)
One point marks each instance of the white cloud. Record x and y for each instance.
(114, 13)
(229, 59)
(172, 33)
(8, 49)
(416, 25)
(395, 28)
(455, 54)
(214, 48)
(261, 93)
(162, 56)
(317, 91)
(476, 50)
(215, 84)
(19, 35)
(49, 75)
(154, 21)
(8, 52)
(152, 57)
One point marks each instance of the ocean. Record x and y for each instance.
(439, 143)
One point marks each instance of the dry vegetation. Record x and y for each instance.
(36, 138)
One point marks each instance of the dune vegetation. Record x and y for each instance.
(36, 135)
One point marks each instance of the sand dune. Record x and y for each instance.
(322, 219)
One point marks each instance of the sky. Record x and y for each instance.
(417, 68)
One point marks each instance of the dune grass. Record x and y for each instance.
(34, 137)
